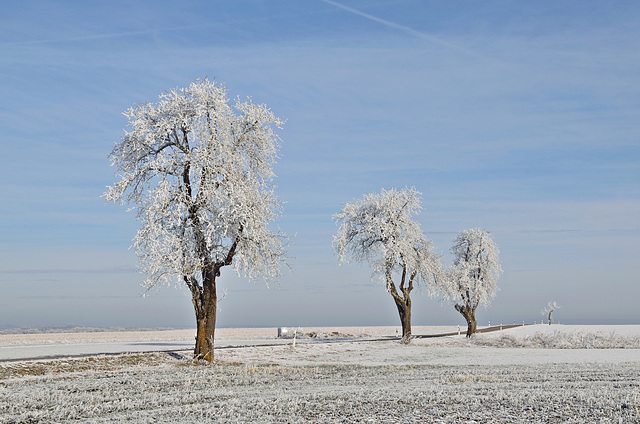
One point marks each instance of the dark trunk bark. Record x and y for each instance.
(205, 308)
(403, 303)
(205, 303)
(469, 315)
(404, 310)
(205, 299)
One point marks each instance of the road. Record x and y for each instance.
(51, 351)
(24, 352)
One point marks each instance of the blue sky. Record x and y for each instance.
(518, 117)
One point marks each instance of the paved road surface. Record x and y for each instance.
(21, 352)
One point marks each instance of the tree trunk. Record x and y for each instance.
(404, 310)
(403, 303)
(205, 309)
(469, 315)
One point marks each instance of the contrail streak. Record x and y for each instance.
(402, 28)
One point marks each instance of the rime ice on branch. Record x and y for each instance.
(199, 171)
(379, 229)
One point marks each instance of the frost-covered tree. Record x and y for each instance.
(550, 309)
(473, 275)
(380, 229)
(198, 168)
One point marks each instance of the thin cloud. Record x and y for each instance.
(52, 271)
(403, 28)
(93, 37)
(80, 38)
(152, 31)
(623, 231)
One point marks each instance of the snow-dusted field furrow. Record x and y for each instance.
(523, 375)
(161, 389)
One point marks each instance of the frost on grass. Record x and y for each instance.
(136, 391)
(21, 369)
(562, 340)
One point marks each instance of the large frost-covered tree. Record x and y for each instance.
(380, 229)
(198, 168)
(472, 278)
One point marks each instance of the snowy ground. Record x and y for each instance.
(437, 380)
(47, 345)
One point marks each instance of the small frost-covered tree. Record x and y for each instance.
(380, 229)
(199, 171)
(473, 275)
(550, 309)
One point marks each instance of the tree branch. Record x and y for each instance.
(413, 276)
(404, 275)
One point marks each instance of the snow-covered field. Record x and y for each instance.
(501, 377)
(55, 344)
